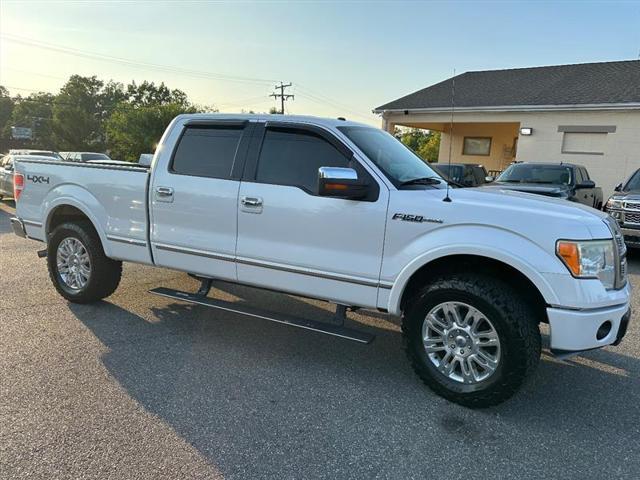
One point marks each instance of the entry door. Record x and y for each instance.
(291, 239)
(194, 201)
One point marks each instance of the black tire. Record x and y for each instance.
(513, 320)
(105, 273)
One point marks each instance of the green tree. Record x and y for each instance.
(425, 143)
(147, 94)
(78, 115)
(6, 108)
(132, 130)
(430, 149)
(35, 112)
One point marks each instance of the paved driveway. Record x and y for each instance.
(140, 386)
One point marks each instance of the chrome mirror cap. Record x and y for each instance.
(337, 173)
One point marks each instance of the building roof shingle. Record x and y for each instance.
(578, 84)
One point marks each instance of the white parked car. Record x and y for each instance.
(343, 212)
(7, 167)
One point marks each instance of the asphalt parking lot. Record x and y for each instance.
(140, 386)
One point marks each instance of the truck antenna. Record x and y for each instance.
(453, 103)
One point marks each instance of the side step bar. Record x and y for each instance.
(320, 327)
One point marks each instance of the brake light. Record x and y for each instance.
(18, 185)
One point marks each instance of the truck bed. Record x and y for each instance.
(113, 196)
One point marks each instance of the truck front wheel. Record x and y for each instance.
(78, 267)
(471, 338)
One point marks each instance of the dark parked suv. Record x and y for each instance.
(560, 180)
(624, 206)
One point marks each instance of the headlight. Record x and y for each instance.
(614, 203)
(589, 259)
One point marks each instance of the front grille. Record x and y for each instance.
(631, 217)
(632, 206)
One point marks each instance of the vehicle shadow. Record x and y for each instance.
(260, 400)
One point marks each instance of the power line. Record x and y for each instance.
(131, 62)
(302, 91)
(283, 96)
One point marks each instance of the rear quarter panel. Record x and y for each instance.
(113, 198)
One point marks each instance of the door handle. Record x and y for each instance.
(251, 201)
(164, 191)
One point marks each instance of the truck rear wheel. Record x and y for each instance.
(471, 338)
(78, 267)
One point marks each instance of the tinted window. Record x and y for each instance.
(207, 151)
(293, 157)
(579, 177)
(94, 156)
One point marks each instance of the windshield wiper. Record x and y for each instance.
(422, 181)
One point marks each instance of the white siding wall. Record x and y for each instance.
(621, 150)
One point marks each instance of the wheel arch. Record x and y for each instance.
(516, 272)
(69, 209)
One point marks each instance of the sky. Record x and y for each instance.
(344, 58)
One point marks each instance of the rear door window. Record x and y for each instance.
(207, 151)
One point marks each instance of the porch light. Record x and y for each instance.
(526, 131)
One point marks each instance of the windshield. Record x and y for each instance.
(634, 182)
(532, 173)
(395, 160)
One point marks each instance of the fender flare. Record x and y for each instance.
(519, 263)
(83, 200)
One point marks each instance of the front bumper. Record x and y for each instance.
(577, 330)
(18, 227)
(631, 236)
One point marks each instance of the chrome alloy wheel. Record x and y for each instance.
(74, 265)
(461, 342)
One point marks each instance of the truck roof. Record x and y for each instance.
(323, 121)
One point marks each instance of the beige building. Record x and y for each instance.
(587, 114)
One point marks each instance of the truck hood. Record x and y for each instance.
(539, 218)
(558, 191)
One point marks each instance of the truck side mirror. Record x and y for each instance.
(341, 183)
(618, 188)
(586, 184)
(489, 179)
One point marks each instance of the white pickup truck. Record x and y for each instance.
(339, 211)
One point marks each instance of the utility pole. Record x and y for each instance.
(283, 96)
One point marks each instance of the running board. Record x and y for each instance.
(320, 327)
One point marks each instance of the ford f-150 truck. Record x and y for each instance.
(343, 212)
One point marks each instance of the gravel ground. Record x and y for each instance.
(143, 387)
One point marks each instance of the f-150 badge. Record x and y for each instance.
(405, 217)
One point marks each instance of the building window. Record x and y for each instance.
(584, 143)
(585, 139)
(476, 146)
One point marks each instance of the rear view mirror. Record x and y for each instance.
(618, 188)
(489, 179)
(341, 183)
